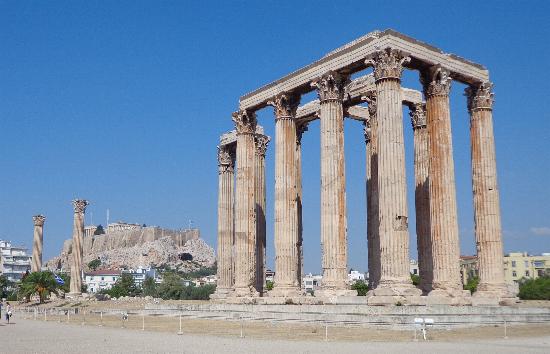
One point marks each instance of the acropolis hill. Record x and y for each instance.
(141, 246)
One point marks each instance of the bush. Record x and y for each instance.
(93, 265)
(361, 288)
(415, 278)
(472, 284)
(269, 285)
(124, 286)
(149, 287)
(535, 289)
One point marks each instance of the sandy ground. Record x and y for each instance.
(36, 336)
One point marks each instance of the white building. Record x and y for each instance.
(14, 261)
(355, 275)
(311, 282)
(413, 267)
(139, 274)
(122, 226)
(101, 279)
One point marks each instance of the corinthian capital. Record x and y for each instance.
(367, 131)
(436, 81)
(370, 98)
(39, 220)
(480, 97)
(330, 87)
(226, 159)
(80, 205)
(388, 63)
(301, 128)
(245, 122)
(285, 105)
(418, 116)
(261, 144)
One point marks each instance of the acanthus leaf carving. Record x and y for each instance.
(480, 97)
(80, 205)
(301, 128)
(39, 220)
(226, 159)
(388, 63)
(370, 98)
(285, 105)
(245, 122)
(418, 115)
(436, 81)
(331, 86)
(261, 142)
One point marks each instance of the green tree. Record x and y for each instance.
(171, 287)
(41, 283)
(5, 285)
(67, 283)
(94, 264)
(472, 284)
(269, 285)
(99, 230)
(534, 289)
(149, 287)
(361, 287)
(124, 286)
(415, 278)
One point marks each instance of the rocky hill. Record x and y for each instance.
(183, 250)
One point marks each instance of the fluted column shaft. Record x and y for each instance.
(226, 164)
(485, 187)
(443, 211)
(287, 252)
(422, 196)
(300, 129)
(245, 206)
(333, 182)
(261, 147)
(392, 189)
(373, 240)
(37, 243)
(78, 239)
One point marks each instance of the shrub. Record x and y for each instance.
(535, 289)
(415, 278)
(269, 285)
(361, 287)
(472, 284)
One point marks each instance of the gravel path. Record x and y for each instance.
(27, 336)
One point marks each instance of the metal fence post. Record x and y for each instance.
(180, 332)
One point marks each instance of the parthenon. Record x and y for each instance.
(242, 199)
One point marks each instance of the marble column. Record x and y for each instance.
(226, 236)
(488, 229)
(330, 89)
(245, 206)
(393, 229)
(287, 252)
(443, 212)
(37, 243)
(422, 195)
(261, 147)
(79, 206)
(301, 128)
(373, 241)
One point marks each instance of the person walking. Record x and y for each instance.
(8, 312)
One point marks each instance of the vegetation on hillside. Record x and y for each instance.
(535, 289)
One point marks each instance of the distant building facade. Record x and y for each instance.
(469, 268)
(101, 279)
(139, 274)
(89, 230)
(122, 226)
(311, 282)
(14, 261)
(355, 275)
(413, 267)
(519, 265)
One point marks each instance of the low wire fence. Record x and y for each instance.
(241, 325)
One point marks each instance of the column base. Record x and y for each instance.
(493, 295)
(245, 292)
(73, 295)
(285, 291)
(395, 294)
(449, 296)
(331, 292)
(221, 294)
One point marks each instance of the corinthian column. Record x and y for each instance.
(301, 128)
(245, 206)
(392, 190)
(486, 196)
(287, 252)
(330, 89)
(261, 146)
(226, 237)
(422, 195)
(37, 243)
(79, 206)
(443, 214)
(373, 240)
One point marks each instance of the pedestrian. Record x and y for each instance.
(8, 312)
(0, 309)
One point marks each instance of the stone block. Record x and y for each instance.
(385, 300)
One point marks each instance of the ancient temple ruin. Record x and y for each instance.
(241, 153)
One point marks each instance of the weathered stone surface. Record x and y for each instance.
(79, 206)
(37, 243)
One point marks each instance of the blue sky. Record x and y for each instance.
(122, 103)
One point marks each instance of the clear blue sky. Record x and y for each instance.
(122, 103)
